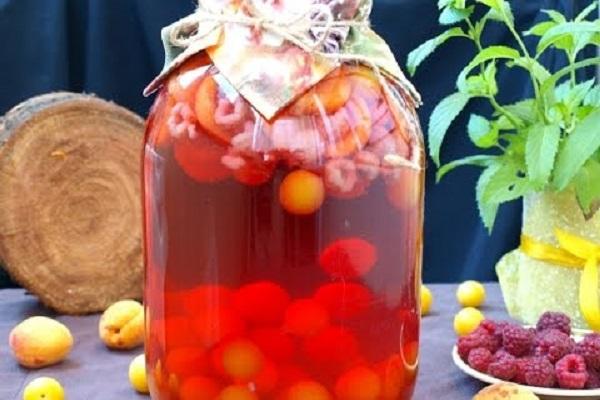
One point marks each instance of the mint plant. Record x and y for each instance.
(549, 142)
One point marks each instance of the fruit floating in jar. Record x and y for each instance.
(283, 245)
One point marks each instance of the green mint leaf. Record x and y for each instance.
(555, 16)
(587, 11)
(444, 3)
(487, 209)
(540, 153)
(541, 28)
(481, 132)
(441, 119)
(499, 11)
(523, 110)
(487, 54)
(489, 74)
(477, 161)
(568, 29)
(538, 70)
(587, 185)
(592, 99)
(418, 55)
(507, 183)
(451, 15)
(573, 96)
(550, 83)
(579, 146)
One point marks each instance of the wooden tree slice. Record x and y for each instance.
(70, 208)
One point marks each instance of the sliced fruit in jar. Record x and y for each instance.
(305, 317)
(261, 303)
(184, 82)
(200, 159)
(220, 118)
(327, 96)
(359, 383)
(348, 258)
(403, 187)
(344, 300)
(302, 192)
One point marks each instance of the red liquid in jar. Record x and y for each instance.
(247, 300)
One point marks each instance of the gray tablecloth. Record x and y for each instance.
(94, 373)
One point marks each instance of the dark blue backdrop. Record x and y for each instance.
(112, 48)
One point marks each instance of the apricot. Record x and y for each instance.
(137, 374)
(307, 390)
(359, 383)
(327, 96)
(348, 258)
(261, 303)
(39, 342)
(305, 317)
(275, 344)
(334, 346)
(209, 104)
(344, 300)
(199, 387)
(237, 392)
(302, 192)
(241, 359)
(122, 325)
(44, 389)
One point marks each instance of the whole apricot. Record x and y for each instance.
(44, 389)
(122, 325)
(39, 342)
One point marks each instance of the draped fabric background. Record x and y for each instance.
(112, 48)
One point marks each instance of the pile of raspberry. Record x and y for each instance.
(544, 356)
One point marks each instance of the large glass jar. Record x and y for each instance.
(282, 257)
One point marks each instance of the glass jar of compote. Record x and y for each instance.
(283, 256)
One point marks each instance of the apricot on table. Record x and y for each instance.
(360, 383)
(44, 389)
(38, 342)
(122, 325)
(302, 192)
(137, 374)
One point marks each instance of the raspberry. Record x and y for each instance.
(520, 370)
(553, 344)
(503, 366)
(480, 359)
(538, 371)
(589, 348)
(494, 328)
(517, 340)
(554, 320)
(478, 338)
(571, 372)
(593, 381)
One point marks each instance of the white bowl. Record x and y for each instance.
(547, 393)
